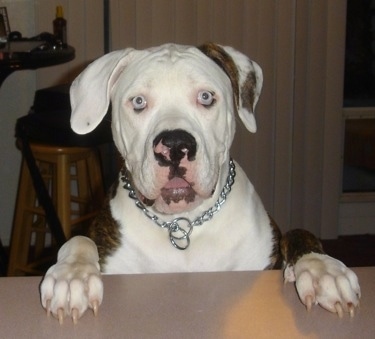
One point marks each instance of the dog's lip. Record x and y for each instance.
(176, 190)
(176, 183)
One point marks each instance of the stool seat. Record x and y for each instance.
(73, 177)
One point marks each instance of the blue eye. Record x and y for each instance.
(139, 103)
(206, 98)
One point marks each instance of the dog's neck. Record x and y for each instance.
(180, 228)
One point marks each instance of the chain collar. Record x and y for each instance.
(179, 235)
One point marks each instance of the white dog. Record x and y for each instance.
(181, 204)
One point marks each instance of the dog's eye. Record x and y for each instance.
(139, 103)
(206, 98)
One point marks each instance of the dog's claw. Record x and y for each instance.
(75, 316)
(351, 310)
(60, 316)
(48, 307)
(308, 302)
(95, 307)
(339, 310)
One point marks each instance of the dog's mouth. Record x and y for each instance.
(175, 196)
(176, 190)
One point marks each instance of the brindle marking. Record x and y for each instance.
(295, 243)
(105, 230)
(276, 259)
(287, 248)
(226, 63)
(247, 92)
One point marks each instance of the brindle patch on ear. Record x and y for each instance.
(247, 92)
(226, 63)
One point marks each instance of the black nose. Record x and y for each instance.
(174, 145)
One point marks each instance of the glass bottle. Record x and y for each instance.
(59, 25)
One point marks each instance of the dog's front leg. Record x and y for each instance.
(320, 279)
(74, 283)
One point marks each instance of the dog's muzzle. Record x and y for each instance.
(176, 149)
(171, 146)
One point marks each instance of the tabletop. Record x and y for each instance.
(188, 305)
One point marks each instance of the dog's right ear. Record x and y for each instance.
(246, 78)
(89, 92)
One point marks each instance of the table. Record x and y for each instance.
(29, 54)
(188, 305)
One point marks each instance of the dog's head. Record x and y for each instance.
(173, 116)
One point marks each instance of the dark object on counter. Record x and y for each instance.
(59, 25)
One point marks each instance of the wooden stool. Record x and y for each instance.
(74, 180)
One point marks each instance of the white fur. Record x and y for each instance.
(74, 281)
(238, 237)
(325, 281)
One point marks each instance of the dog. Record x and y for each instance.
(180, 203)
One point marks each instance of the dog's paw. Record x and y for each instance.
(73, 284)
(321, 279)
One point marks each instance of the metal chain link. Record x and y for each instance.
(177, 233)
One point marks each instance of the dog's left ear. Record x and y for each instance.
(245, 75)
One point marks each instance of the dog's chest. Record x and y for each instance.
(224, 243)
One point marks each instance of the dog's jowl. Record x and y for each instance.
(171, 210)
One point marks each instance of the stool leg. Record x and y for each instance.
(63, 193)
(40, 228)
(55, 164)
(83, 189)
(23, 219)
(96, 179)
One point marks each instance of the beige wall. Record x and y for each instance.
(294, 158)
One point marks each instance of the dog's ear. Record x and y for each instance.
(245, 75)
(89, 92)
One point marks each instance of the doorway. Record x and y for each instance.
(357, 203)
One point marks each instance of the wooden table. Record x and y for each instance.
(195, 305)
